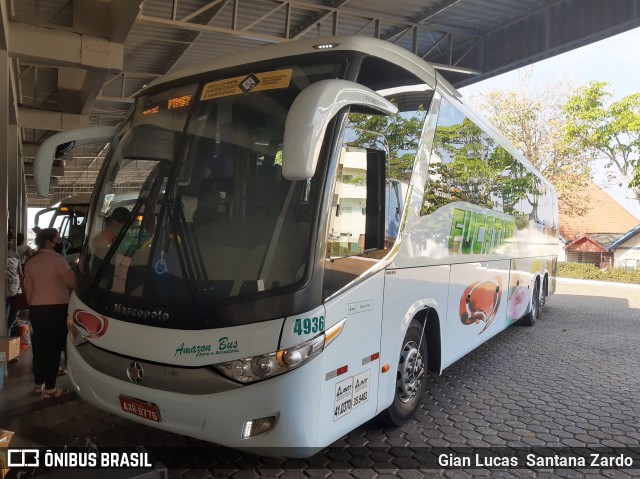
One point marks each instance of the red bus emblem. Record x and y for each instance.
(480, 302)
(90, 325)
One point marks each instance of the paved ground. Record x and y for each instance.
(571, 381)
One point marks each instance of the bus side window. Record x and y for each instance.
(467, 165)
(356, 238)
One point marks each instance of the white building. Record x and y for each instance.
(626, 250)
(350, 201)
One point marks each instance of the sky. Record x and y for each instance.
(614, 60)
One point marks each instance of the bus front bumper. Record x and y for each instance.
(292, 398)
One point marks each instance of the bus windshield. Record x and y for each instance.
(214, 215)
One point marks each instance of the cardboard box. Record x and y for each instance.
(5, 439)
(11, 347)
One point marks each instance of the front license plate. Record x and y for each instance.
(140, 408)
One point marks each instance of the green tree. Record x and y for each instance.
(607, 128)
(534, 122)
(398, 135)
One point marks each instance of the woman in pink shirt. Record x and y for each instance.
(48, 281)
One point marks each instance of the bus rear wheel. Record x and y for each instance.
(530, 318)
(410, 377)
(544, 292)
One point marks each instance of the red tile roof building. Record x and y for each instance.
(589, 235)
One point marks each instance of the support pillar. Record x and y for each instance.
(12, 177)
(4, 206)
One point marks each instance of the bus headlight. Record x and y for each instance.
(263, 366)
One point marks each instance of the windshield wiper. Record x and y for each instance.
(194, 273)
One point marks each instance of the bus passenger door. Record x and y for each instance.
(351, 365)
(353, 291)
(477, 307)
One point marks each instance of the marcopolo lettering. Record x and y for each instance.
(158, 315)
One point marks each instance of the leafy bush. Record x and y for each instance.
(590, 271)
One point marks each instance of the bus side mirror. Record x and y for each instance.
(53, 146)
(310, 115)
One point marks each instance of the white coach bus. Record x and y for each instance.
(69, 218)
(322, 222)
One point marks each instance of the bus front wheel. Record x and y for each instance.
(410, 378)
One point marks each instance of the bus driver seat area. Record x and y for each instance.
(239, 207)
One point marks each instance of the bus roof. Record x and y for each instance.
(78, 199)
(373, 46)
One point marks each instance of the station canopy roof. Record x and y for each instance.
(81, 62)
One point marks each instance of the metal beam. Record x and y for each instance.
(263, 17)
(316, 19)
(70, 81)
(423, 17)
(207, 15)
(568, 25)
(31, 190)
(111, 20)
(122, 16)
(55, 170)
(202, 9)
(45, 45)
(455, 69)
(29, 180)
(322, 12)
(116, 99)
(207, 28)
(50, 120)
(4, 26)
(29, 150)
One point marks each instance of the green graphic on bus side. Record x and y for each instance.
(478, 233)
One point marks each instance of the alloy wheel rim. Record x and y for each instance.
(410, 372)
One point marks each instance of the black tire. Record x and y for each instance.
(530, 318)
(410, 378)
(544, 292)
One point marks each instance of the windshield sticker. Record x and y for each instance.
(361, 388)
(343, 399)
(247, 83)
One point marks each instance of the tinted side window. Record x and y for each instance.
(466, 164)
(373, 174)
(398, 135)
